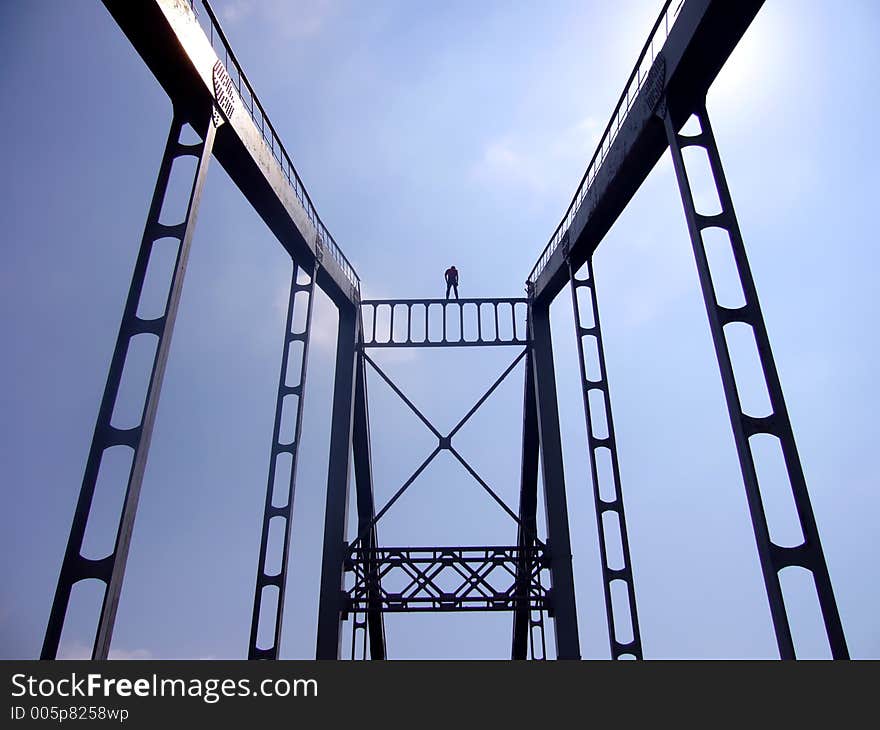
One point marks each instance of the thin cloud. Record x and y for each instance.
(545, 163)
(237, 10)
(503, 163)
(288, 19)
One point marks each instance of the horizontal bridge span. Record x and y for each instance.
(686, 48)
(472, 300)
(475, 322)
(183, 45)
(406, 579)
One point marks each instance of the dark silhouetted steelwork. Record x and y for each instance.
(637, 78)
(332, 598)
(193, 61)
(111, 568)
(279, 501)
(686, 48)
(369, 623)
(528, 624)
(562, 598)
(522, 564)
(616, 528)
(249, 100)
(183, 45)
(484, 578)
(444, 442)
(465, 328)
(773, 557)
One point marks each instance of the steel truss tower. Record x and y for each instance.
(184, 46)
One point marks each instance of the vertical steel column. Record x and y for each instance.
(614, 505)
(363, 476)
(111, 568)
(266, 580)
(332, 599)
(528, 504)
(773, 557)
(559, 540)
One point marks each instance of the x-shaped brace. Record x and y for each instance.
(444, 442)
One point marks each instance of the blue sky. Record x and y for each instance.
(430, 135)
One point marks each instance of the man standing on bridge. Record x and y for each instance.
(451, 275)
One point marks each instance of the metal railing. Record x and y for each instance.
(656, 38)
(634, 84)
(209, 23)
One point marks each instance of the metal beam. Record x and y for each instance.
(681, 66)
(111, 568)
(332, 598)
(436, 300)
(363, 476)
(620, 647)
(528, 505)
(471, 331)
(773, 557)
(182, 56)
(556, 505)
(291, 384)
(445, 579)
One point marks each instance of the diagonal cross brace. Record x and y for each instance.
(445, 442)
(482, 574)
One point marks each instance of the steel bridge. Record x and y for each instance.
(184, 46)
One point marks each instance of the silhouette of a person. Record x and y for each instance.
(451, 275)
